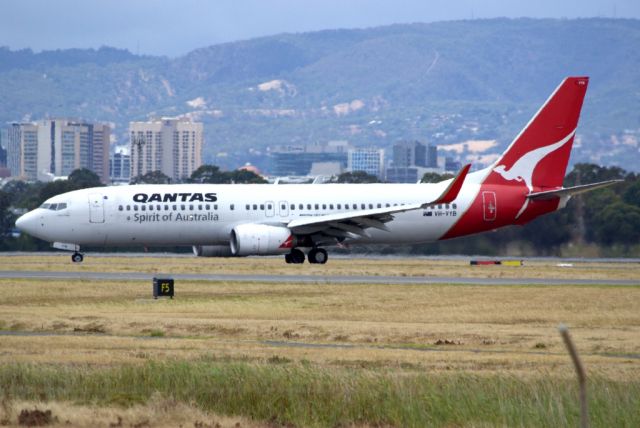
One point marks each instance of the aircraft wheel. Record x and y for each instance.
(287, 258)
(318, 255)
(297, 256)
(77, 258)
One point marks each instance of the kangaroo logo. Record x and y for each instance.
(522, 169)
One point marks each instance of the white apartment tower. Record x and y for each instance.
(170, 145)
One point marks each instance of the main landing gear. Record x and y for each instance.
(316, 256)
(77, 257)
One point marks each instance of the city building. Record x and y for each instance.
(369, 160)
(52, 148)
(3, 150)
(411, 160)
(451, 165)
(120, 165)
(298, 160)
(170, 145)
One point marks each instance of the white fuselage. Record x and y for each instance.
(144, 215)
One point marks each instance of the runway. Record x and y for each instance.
(310, 279)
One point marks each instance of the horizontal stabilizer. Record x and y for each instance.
(570, 191)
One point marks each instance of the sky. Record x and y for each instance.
(175, 27)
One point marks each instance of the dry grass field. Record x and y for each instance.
(396, 331)
(336, 266)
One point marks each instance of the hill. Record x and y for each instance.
(445, 82)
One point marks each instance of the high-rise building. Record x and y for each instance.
(120, 166)
(170, 145)
(55, 147)
(3, 150)
(369, 160)
(295, 160)
(409, 153)
(432, 156)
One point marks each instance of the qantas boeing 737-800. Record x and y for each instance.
(299, 221)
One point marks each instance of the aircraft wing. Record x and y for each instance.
(570, 191)
(354, 223)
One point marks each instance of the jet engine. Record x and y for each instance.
(260, 239)
(212, 251)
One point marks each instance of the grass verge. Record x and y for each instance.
(306, 395)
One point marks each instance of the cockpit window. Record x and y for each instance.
(45, 206)
(53, 207)
(61, 206)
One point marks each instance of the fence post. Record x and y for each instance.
(582, 375)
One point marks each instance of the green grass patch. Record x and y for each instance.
(307, 395)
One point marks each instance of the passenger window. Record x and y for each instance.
(293, 207)
(283, 207)
(175, 207)
(120, 208)
(255, 207)
(207, 207)
(308, 206)
(183, 207)
(215, 207)
(200, 207)
(231, 207)
(379, 205)
(324, 206)
(447, 206)
(150, 208)
(454, 206)
(317, 206)
(190, 207)
(301, 206)
(439, 206)
(330, 206)
(387, 205)
(128, 208)
(269, 206)
(135, 208)
(247, 207)
(339, 206)
(363, 206)
(261, 207)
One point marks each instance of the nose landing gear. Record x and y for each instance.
(77, 257)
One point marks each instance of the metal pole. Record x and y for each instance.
(582, 375)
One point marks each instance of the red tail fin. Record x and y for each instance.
(539, 155)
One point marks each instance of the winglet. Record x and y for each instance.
(452, 190)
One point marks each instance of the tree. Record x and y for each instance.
(152, 177)
(356, 177)
(632, 194)
(618, 223)
(83, 179)
(208, 174)
(211, 174)
(434, 177)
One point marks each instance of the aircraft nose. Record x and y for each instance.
(27, 222)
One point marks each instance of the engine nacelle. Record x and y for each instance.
(260, 239)
(212, 251)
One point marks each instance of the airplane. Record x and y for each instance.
(301, 221)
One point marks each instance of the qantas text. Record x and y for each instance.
(175, 197)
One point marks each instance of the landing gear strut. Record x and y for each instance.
(295, 256)
(318, 255)
(77, 257)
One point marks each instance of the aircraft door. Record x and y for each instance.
(269, 209)
(284, 208)
(96, 208)
(490, 208)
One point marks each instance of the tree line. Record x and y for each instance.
(606, 219)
